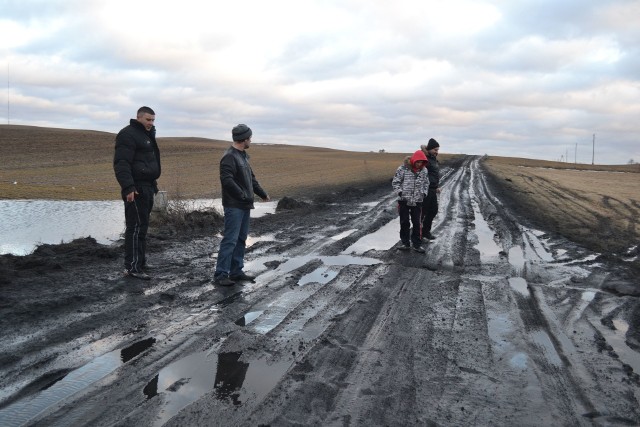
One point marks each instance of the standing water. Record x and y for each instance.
(25, 224)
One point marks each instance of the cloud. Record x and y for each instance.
(527, 78)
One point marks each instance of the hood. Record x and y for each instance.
(418, 155)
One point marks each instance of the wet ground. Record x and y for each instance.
(497, 324)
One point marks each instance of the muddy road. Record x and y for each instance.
(497, 324)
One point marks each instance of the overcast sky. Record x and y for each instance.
(523, 78)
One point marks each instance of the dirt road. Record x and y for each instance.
(497, 324)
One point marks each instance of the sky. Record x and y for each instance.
(542, 79)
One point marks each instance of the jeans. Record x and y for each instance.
(136, 216)
(231, 253)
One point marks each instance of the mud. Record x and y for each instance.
(499, 323)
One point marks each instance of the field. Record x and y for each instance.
(597, 206)
(64, 164)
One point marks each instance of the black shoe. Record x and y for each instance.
(223, 281)
(404, 246)
(419, 249)
(242, 278)
(137, 274)
(146, 266)
(429, 236)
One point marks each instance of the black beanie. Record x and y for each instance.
(432, 144)
(241, 132)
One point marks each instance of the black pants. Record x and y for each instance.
(409, 216)
(429, 210)
(136, 216)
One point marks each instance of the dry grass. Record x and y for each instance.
(47, 163)
(597, 206)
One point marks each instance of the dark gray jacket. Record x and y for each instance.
(238, 181)
(433, 167)
(136, 160)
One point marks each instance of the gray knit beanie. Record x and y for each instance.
(241, 132)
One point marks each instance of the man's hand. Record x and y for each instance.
(266, 199)
(131, 196)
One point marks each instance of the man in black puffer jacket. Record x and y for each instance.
(136, 163)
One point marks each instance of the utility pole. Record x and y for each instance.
(593, 154)
(575, 157)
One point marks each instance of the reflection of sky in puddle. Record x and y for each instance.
(28, 223)
(321, 275)
(232, 379)
(296, 262)
(343, 234)
(534, 246)
(23, 410)
(486, 245)
(382, 239)
(516, 259)
(618, 340)
(519, 285)
(541, 338)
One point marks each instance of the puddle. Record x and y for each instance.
(381, 240)
(248, 318)
(617, 340)
(519, 361)
(321, 275)
(534, 246)
(543, 341)
(519, 285)
(296, 262)
(343, 234)
(26, 223)
(24, 410)
(487, 246)
(231, 379)
(517, 260)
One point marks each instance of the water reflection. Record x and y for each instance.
(25, 224)
(231, 378)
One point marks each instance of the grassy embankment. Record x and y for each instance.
(594, 205)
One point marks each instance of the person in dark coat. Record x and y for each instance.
(136, 163)
(238, 187)
(430, 203)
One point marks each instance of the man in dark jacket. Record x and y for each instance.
(238, 186)
(136, 163)
(430, 203)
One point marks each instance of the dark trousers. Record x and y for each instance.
(409, 216)
(429, 210)
(136, 216)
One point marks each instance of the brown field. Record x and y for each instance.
(597, 206)
(45, 163)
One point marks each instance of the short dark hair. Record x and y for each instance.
(147, 110)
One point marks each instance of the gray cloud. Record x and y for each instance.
(527, 78)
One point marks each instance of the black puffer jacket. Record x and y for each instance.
(238, 181)
(434, 172)
(137, 158)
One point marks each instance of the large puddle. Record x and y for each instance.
(228, 376)
(24, 410)
(26, 224)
